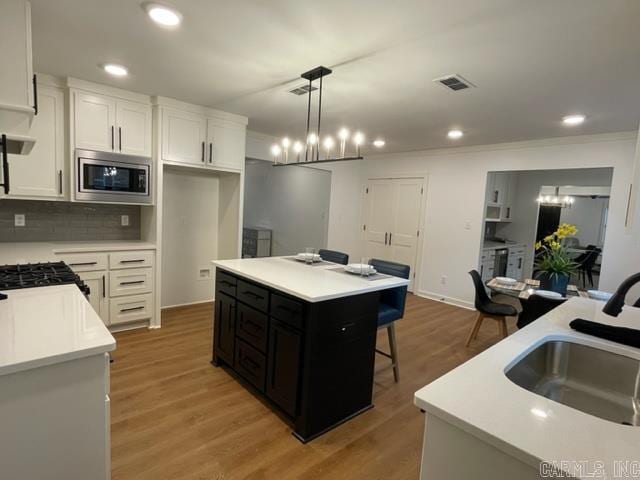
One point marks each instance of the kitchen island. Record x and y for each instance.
(482, 424)
(300, 336)
(54, 386)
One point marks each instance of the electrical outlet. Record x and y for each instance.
(204, 274)
(124, 220)
(19, 220)
(443, 279)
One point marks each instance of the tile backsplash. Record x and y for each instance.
(66, 221)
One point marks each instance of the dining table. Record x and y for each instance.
(525, 288)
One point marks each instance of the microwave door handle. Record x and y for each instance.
(5, 166)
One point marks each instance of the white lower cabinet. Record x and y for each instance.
(121, 283)
(98, 295)
(131, 308)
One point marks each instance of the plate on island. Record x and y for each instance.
(548, 294)
(360, 269)
(506, 280)
(303, 257)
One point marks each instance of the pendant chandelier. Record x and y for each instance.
(317, 149)
(556, 200)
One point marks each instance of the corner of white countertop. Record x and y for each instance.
(44, 326)
(478, 398)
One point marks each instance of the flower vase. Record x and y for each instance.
(555, 282)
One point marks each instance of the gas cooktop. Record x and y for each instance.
(39, 275)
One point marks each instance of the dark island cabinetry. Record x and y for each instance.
(313, 361)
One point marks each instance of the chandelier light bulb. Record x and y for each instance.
(297, 147)
(313, 139)
(343, 134)
(328, 143)
(275, 151)
(358, 138)
(286, 143)
(379, 143)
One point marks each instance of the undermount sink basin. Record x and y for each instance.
(594, 381)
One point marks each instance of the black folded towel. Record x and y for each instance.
(626, 336)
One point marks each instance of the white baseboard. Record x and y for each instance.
(448, 300)
(187, 304)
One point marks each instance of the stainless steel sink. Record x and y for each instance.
(594, 381)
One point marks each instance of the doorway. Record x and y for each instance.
(392, 216)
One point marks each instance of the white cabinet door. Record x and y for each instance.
(39, 174)
(16, 87)
(226, 147)
(378, 219)
(133, 124)
(95, 120)
(184, 137)
(98, 297)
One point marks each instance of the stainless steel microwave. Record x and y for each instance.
(112, 177)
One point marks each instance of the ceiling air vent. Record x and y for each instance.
(454, 82)
(303, 90)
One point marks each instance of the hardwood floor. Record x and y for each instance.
(175, 416)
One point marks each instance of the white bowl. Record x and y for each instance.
(360, 268)
(303, 257)
(599, 295)
(506, 280)
(548, 294)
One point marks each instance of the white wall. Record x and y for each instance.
(455, 196)
(586, 214)
(291, 201)
(189, 235)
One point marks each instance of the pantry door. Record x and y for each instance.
(392, 224)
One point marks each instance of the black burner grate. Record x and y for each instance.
(39, 275)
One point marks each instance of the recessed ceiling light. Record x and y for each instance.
(378, 143)
(573, 120)
(163, 15)
(455, 134)
(115, 70)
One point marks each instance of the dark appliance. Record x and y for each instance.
(501, 261)
(31, 275)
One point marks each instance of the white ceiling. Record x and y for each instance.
(533, 61)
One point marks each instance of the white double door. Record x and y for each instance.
(393, 208)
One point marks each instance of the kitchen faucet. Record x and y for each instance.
(616, 302)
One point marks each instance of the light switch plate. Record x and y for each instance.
(19, 220)
(124, 220)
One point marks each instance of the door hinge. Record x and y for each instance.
(414, 274)
(421, 190)
(367, 191)
(418, 233)
(364, 227)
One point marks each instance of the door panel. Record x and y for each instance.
(407, 208)
(379, 218)
(95, 117)
(39, 174)
(98, 283)
(184, 137)
(134, 128)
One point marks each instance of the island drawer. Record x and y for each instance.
(253, 327)
(251, 364)
(287, 310)
(226, 283)
(253, 295)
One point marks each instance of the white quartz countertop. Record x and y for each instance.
(491, 245)
(478, 398)
(47, 325)
(32, 252)
(311, 283)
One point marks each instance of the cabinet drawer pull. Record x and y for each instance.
(60, 182)
(228, 284)
(132, 261)
(104, 286)
(210, 152)
(254, 295)
(113, 138)
(248, 362)
(35, 94)
(256, 327)
(120, 138)
(82, 264)
(132, 282)
(202, 152)
(285, 309)
(131, 309)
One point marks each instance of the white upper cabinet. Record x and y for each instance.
(133, 122)
(199, 137)
(184, 137)
(95, 118)
(16, 72)
(40, 173)
(110, 124)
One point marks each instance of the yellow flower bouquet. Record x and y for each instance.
(553, 262)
